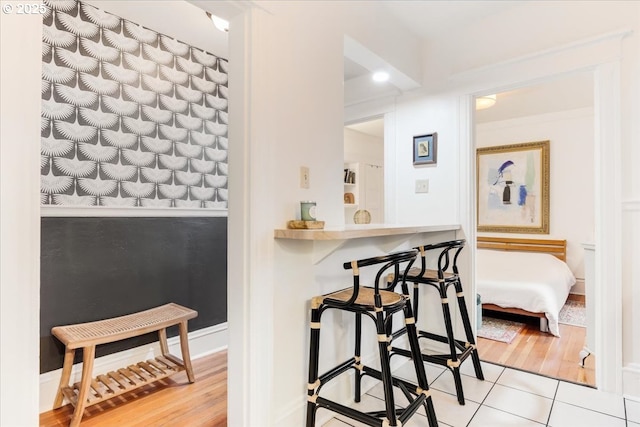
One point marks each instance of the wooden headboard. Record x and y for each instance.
(557, 248)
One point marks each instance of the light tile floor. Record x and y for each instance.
(508, 397)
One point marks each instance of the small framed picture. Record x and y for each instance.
(425, 148)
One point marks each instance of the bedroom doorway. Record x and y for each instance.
(560, 110)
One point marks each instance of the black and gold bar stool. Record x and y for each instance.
(378, 303)
(441, 279)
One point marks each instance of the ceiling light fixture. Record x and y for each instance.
(380, 76)
(219, 23)
(486, 101)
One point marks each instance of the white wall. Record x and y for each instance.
(287, 113)
(362, 148)
(282, 116)
(20, 81)
(414, 117)
(571, 175)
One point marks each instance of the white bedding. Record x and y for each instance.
(535, 282)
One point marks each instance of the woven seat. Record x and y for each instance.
(366, 298)
(445, 276)
(379, 305)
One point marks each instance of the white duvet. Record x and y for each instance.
(539, 283)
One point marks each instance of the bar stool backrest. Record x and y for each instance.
(390, 261)
(445, 259)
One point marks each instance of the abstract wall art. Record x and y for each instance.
(513, 188)
(130, 117)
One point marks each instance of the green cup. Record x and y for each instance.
(308, 211)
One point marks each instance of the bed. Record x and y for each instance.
(524, 276)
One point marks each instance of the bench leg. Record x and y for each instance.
(184, 346)
(88, 356)
(164, 346)
(66, 375)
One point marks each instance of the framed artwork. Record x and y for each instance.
(425, 149)
(513, 188)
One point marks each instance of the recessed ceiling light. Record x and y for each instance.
(219, 23)
(380, 76)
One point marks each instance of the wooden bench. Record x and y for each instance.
(87, 336)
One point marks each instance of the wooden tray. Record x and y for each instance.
(295, 224)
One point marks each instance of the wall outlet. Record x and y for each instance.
(304, 177)
(422, 185)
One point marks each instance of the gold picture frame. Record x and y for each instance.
(512, 188)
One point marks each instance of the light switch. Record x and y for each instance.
(422, 185)
(304, 177)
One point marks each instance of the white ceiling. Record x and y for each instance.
(567, 93)
(373, 127)
(427, 20)
(430, 20)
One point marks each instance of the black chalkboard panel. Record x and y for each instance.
(96, 268)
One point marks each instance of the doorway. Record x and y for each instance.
(364, 161)
(560, 110)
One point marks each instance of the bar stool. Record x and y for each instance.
(441, 279)
(379, 304)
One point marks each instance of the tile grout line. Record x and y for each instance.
(553, 402)
(485, 397)
(626, 418)
(522, 391)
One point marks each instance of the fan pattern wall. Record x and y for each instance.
(130, 117)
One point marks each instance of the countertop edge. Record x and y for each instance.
(355, 232)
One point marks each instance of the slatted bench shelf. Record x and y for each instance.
(86, 336)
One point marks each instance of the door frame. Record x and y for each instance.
(601, 56)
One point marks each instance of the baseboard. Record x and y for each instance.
(202, 342)
(631, 381)
(578, 288)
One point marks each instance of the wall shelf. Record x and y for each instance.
(352, 172)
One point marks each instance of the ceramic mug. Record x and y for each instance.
(308, 211)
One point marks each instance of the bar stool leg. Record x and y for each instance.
(468, 331)
(416, 356)
(314, 352)
(416, 296)
(358, 354)
(383, 347)
(453, 363)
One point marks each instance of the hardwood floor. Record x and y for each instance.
(170, 402)
(542, 353)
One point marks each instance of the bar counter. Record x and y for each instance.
(359, 231)
(309, 262)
